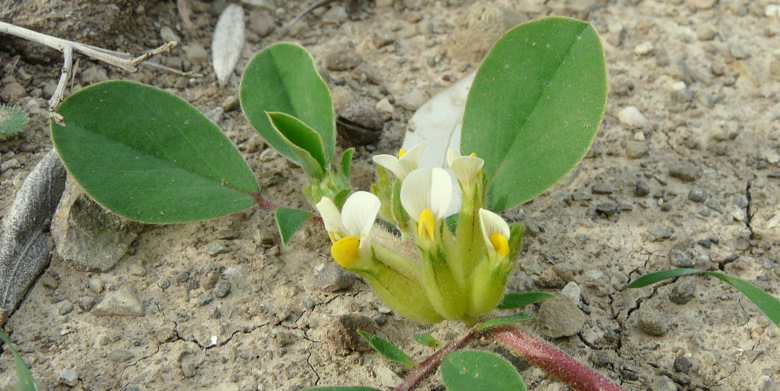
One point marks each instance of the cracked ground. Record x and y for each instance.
(697, 185)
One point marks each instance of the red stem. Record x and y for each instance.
(553, 360)
(431, 363)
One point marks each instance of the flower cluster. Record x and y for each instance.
(440, 267)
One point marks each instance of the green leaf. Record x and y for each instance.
(288, 221)
(342, 388)
(283, 78)
(452, 222)
(765, 302)
(426, 339)
(149, 156)
(346, 162)
(26, 382)
(469, 370)
(12, 121)
(535, 106)
(387, 349)
(521, 299)
(502, 320)
(302, 140)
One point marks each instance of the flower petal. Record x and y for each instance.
(330, 215)
(451, 155)
(441, 192)
(467, 168)
(410, 160)
(391, 163)
(426, 188)
(359, 213)
(492, 223)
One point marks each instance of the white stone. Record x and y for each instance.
(632, 118)
(639, 136)
(772, 10)
(678, 85)
(644, 48)
(573, 292)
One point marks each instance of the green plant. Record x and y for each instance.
(532, 113)
(26, 382)
(12, 121)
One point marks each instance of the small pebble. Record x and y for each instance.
(641, 189)
(196, 54)
(636, 149)
(601, 188)
(703, 4)
(652, 323)
(684, 171)
(643, 48)
(342, 60)
(333, 278)
(205, 298)
(682, 292)
(632, 118)
(682, 364)
(69, 377)
(342, 335)
(697, 195)
(217, 248)
(706, 33)
(65, 308)
(607, 208)
(681, 259)
(659, 232)
(12, 91)
(9, 164)
(86, 302)
(222, 289)
(167, 34)
(414, 99)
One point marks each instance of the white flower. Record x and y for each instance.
(349, 229)
(495, 232)
(425, 195)
(405, 163)
(467, 168)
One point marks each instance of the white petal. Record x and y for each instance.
(391, 163)
(330, 215)
(359, 213)
(451, 156)
(410, 159)
(492, 223)
(441, 192)
(426, 188)
(467, 168)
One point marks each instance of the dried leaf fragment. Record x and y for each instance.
(228, 41)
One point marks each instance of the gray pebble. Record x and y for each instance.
(9, 164)
(706, 33)
(765, 383)
(383, 38)
(205, 298)
(222, 289)
(65, 308)
(165, 284)
(261, 23)
(342, 334)
(581, 196)
(663, 384)
(682, 364)
(680, 259)
(167, 34)
(659, 232)
(342, 60)
(69, 377)
(121, 355)
(124, 302)
(196, 54)
(636, 149)
(415, 99)
(360, 124)
(333, 278)
(560, 317)
(601, 188)
(641, 189)
(190, 363)
(86, 302)
(682, 292)
(684, 171)
(652, 323)
(12, 92)
(217, 248)
(209, 279)
(95, 284)
(697, 195)
(607, 208)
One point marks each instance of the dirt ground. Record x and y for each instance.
(692, 181)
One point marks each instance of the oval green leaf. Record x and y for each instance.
(387, 349)
(302, 140)
(288, 221)
(469, 370)
(426, 339)
(522, 299)
(764, 301)
(147, 155)
(283, 78)
(535, 107)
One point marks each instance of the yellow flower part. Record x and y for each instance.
(426, 226)
(401, 153)
(500, 243)
(346, 251)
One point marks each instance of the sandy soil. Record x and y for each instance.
(695, 184)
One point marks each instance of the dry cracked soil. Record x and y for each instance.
(688, 177)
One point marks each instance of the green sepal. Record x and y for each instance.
(387, 349)
(516, 231)
(426, 339)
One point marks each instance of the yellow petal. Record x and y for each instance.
(401, 153)
(346, 251)
(425, 227)
(500, 243)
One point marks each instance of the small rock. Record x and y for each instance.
(383, 38)
(601, 188)
(86, 302)
(336, 15)
(261, 23)
(205, 298)
(573, 292)
(124, 302)
(136, 268)
(703, 4)
(414, 99)
(652, 322)
(167, 35)
(9, 164)
(343, 338)
(342, 60)
(209, 279)
(706, 33)
(50, 282)
(632, 118)
(663, 384)
(12, 91)
(680, 259)
(333, 278)
(682, 364)
(644, 48)
(95, 284)
(385, 108)
(636, 149)
(94, 74)
(217, 248)
(682, 292)
(222, 289)
(196, 54)
(659, 232)
(65, 308)
(69, 377)
(607, 208)
(684, 171)
(121, 355)
(387, 377)
(560, 317)
(697, 195)
(359, 124)
(765, 383)
(641, 189)
(190, 363)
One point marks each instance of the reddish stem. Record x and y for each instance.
(431, 363)
(553, 360)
